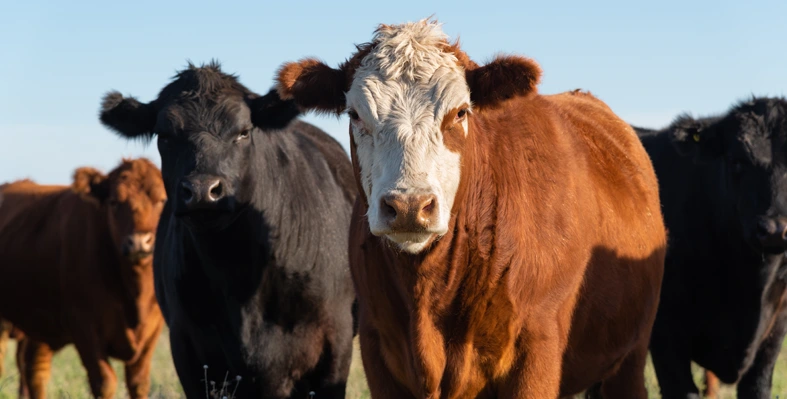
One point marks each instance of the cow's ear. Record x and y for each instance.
(312, 85)
(503, 78)
(127, 116)
(91, 182)
(696, 139)
(271, 112)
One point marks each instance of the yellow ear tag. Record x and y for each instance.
(696, 137)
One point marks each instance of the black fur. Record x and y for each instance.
(260, 286)
(723, 302)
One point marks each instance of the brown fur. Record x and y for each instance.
(548, 279)
(85, 178)
(65, 280)
(298, 80)
(503, 78)
(453, 134)
(712, 385)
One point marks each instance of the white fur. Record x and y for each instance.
(401, 91)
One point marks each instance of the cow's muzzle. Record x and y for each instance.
(138, 245)
(772, 233)
(401, 213)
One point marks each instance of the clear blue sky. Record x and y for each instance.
(648, 60)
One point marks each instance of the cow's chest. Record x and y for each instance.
(456, 353)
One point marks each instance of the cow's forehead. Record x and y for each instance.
(215, 114)
(137, 180)
(408, 60)
(202, 98)
(409, 51)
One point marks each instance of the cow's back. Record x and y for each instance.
(35, 223)
(29, 249)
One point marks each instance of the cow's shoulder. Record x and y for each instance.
(332, 152)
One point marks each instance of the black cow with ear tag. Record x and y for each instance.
(723, 188)
(251, 265)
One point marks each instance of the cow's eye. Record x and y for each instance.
(244, 134)
(353, 115)
(461, 114)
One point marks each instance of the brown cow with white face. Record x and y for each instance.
(505, 244)
(77, 268)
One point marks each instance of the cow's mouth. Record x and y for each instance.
(208, 219)
(138, 256)
(411, 242)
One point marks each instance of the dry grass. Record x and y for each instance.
(70, 381)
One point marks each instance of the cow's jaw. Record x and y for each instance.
(402, 92)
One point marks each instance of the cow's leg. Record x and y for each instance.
(629, 380)
(382, 384)
(100, 375)
(337, 356)
(712, 385)
(37, 362)
(5, 332)
(138, 371)
(756, 383)
(538, 373)
(673, 366)
(21, 345)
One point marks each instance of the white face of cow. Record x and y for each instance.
(400, 96)
(408, 94)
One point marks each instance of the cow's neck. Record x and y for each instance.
(140, 297)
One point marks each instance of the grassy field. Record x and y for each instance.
(69, 380)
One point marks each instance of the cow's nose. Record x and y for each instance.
(201, 191)
(409, 213)
(139, 243)
(772, 232)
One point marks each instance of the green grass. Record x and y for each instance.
(70, 381)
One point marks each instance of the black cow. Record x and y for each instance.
(251, 265)
(723, 183)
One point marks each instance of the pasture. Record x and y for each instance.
(69, 380)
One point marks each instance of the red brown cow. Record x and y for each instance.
(506, 244)
(77, 268)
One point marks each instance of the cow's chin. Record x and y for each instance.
(411, 243)
(139, 258)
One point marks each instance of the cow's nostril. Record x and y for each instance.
(429, 207)
(387, 208)
(187, 192)
(765, 228)
(216, 190)
(148, 239)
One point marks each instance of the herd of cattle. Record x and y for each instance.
(483, 240)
